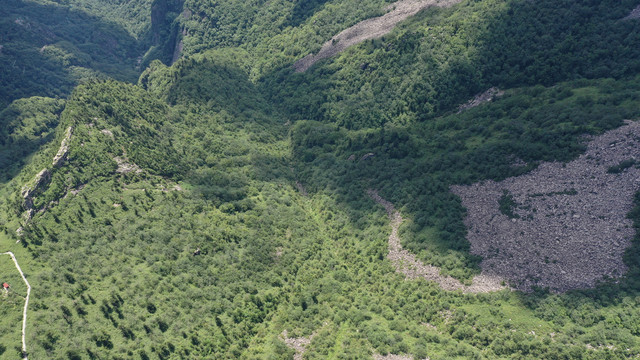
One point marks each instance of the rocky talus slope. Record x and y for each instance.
(561, 226)
(408, 264)
(369, 29)
(634, 14)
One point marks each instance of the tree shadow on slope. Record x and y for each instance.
(304, 10)
(228, 131)
(25, 126)
(384, 97)
(47, 49)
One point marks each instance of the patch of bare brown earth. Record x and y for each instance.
(369, 29)
(481, 98)
(569, 228)
(408, 264)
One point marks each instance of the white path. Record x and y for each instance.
(26, 304)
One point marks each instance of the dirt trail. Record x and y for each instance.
(369, 29)
(26, 304)
(408, 264)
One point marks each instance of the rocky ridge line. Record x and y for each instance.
(42, 178)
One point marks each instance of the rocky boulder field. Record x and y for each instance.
(562, 226)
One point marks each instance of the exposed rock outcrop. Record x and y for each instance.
(566, 227)
(377, 356)
(487, 96)
(301, 189)
(634, 14)
(125, 167)
(369, 29)
(28, 191)
(61, 155)
(298, 344)
(41, 180)
(367, 156)
(107, 132)
(177, 52)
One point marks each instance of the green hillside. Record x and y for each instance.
(217, 207)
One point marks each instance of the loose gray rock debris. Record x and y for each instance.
(408, 264)
(634, 14)
(487, 96)
(568, 227)
(369, 29)
(298, 344)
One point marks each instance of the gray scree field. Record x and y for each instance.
(565, 226)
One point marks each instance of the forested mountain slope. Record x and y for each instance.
(221, 206)
(47, 47)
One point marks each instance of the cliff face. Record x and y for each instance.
(165, 30)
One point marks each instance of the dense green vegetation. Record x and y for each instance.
(47, 47)
(220, 201)
(442, 57)
(421, 161)
(25, 125)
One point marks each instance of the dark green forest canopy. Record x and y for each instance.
(442, 57)
(217, 202)
(49, 47)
